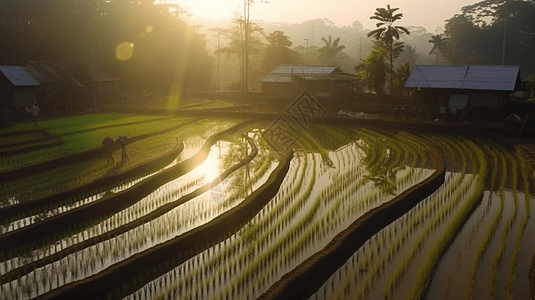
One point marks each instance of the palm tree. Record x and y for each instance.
(386, 31)
(439, 43)
(330, 51)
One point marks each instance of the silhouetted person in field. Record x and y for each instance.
(122, 140)
(35, 113)
(109, 147)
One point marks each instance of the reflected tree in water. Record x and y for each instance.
(381, 162)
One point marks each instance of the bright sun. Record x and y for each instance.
(212, 9)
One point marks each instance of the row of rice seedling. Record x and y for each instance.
(328, 222)
(65, 177)
(193, 145)
(486, 260)
(459, 193)
(24, 250)
(460, 217)
(493, 224)
(82, 122)
(508, 223)
(278, 244)
(363, 276)
(41, 143)
(203, 174)
(17, 138)
(184, 275)
(76, 174)
(163, 195)
(85, 140)
(211, 105)
(520, 235)
(158, 228)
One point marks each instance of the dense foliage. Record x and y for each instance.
(163, 47)
(476, 35)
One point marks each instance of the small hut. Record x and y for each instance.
(287, 82)
(457, 87)
(17, 87)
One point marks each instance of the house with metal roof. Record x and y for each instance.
(286, 82)
(17, 87)
(461, 86)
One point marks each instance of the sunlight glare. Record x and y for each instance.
(210, 168)
(211, 9)
(173, 99)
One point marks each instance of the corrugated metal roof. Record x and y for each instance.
(283, 73)
(473, 77)
(18, 76)
(299, 70)
(276, 78)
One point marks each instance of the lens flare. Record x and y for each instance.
(148, 29)
(124, 51)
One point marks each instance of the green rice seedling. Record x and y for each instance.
(520, 233)
(273, 256)
(395, 278)
(420, 287)
(507, 226)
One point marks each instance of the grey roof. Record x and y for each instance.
(46, 74)
(300, 70)
(276, 78)
(18, 76)
(283, 73)
(472, 77)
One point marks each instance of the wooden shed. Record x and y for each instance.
(286, 82)
(17, 87)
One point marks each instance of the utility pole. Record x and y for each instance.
(307, 50)
(218, 61)
(246, 5)
(504, 33)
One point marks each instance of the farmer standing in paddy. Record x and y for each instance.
(122, 140)
(35, 113)
(109, 147)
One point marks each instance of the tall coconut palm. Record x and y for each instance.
(386, 31)
(331, 50)
(439, 44)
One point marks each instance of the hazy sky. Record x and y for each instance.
(429, 14)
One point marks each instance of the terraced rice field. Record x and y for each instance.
(205, 209)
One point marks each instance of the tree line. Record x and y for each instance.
(490, 32)
(162, 50)
(151, 45)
